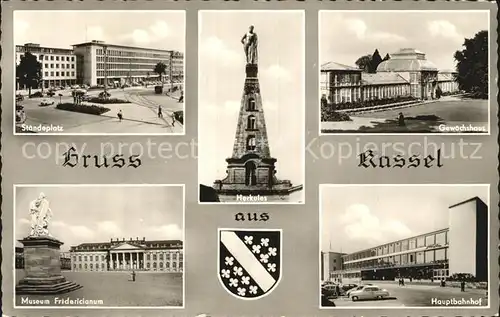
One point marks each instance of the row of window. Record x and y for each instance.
(123, 53)
(154, 265)
(62, 74)
(56, 58)
(63, 66)
(423, 257)
(128, 66)
(148, 257)
(440, 239)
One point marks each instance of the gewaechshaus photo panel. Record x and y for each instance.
(404, 246)
(99, 246)
(404, 72)
(108, 72)
(251, 104)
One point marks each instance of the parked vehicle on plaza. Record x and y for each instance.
(346, 287)
(46, 102)
(369, 292)
(357, 288)
(20, 114)
(19, 97)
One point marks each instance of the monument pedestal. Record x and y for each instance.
(42, 267)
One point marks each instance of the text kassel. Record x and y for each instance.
(370, 159)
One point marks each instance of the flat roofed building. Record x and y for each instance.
(460, 248)
(330, 262)
(121, 64)
(58, 65)
(125, 255)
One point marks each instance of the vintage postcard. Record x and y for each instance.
(411, 246)
(251, 106)
(108, 72)
(93, 246)
(430, 74)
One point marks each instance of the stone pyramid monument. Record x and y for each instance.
(251, 168)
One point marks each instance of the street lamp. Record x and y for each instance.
(105, 51)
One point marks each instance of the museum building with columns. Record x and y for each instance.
(125, 255)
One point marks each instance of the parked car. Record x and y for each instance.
(369, 292)
(46, 102)
(347, 287)
(103, 94)
(357, 288)
(37, 94)
(19, 97)
(329, 291)
(20, 114)
(51, 93)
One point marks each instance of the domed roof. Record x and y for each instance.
(406, 59)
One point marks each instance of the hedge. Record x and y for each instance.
(328, 114)
(89, 109)
(107, 101)
(370, 103)
(179, 116)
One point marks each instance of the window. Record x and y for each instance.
(51, 58)
(391, 248)
(154, 257)
(404, 245)
(74, 266)
(251, 145)
(167, 265)
(161, 256)
(62, 65)
(251, 122)
(51, 65)
(397, 247)
(72, 58)
(46, 74)
(91, 258)
(67, 74)
(80, 258)
(80, 266)
(72, 73)
(103, 258)
(251, 104)
(86, 266)
(46, 65)
(85, 258)
(154, 265)
(46, 58)
(430, 240)
(67, 58)
(52, 74)
(420, 242)
(103, 266)
(429, 256)
(148, 257)
(148, 265)
(411, 258)
(334, 260)
(441, 238)
(174, 265)
(404, 258)
(440, 255)
(72, 65)
(420, 258)
(161, 265)
(57, 73)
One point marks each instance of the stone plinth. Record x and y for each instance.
(42, 267)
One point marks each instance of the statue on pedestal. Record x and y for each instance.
(250, 42)
(41, 214)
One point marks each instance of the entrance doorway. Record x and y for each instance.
(250, 173)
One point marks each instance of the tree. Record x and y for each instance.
(29, 71)
(376, 60)
(160, 69)
(364, 62)
(387, 57)
(472, 65)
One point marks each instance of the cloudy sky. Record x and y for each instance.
(151, 29)
(97, 214)
(438, 34)
(221, 80)
(357, 218)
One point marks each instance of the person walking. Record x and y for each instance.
(160, 114)
(173, 119)
(462, 286)
(181, 98)
(120, 115)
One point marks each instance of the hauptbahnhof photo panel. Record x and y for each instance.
(99, 246)
(412, 246)
(107, 72)
(251, 106)
(404, 72)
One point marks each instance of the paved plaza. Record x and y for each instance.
(115, 289)
(140, 115)
(421, 118)
(414, 295)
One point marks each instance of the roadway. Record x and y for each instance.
(417, 296)
(140, 116)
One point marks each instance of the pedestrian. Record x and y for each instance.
(401, 120)
(120, 115)
(462, 286)
(173, 119)
(133, 276)
(337, 290)
(181, 98)
(160, 114)
(403, 281)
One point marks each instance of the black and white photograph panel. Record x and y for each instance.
(106, 72)
(251, 106)
(388, 246)
(404, 72)
(99, 246)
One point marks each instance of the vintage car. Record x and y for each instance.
(369, 292)
(46, 102)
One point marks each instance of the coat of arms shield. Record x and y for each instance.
(249, 264)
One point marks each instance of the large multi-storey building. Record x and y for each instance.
(406, 74)
(120, 64)
(58, 64)
(330, 262)
(460, 248)
(120, 255)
